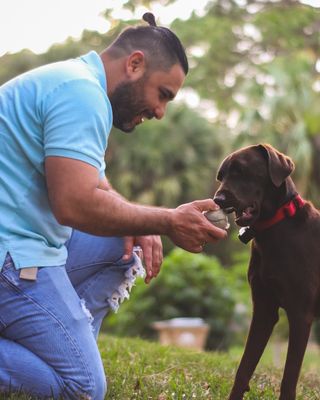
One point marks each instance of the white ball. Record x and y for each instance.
(218, 218)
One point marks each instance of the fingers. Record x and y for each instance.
(152, 255)
(214, 233)
(190, 229)
(199, 249)
(153, 259)
(196, 248)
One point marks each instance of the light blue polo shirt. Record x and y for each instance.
(60, 109)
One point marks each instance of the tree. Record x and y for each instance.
(265, 76)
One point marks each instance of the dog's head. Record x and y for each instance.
(250, 179)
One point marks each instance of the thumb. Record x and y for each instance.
(206, 205)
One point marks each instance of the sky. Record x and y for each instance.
(37, 24)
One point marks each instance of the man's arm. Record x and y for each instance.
(78, 202)
(104, 184)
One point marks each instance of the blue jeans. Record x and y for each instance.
(49, 327)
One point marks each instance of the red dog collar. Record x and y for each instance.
(288, 210)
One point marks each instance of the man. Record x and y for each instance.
(66, 237)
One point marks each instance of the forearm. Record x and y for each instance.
(106, 213)
(126, 208)
(78, 200)
(104, 184)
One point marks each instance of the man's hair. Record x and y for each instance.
(161, 46)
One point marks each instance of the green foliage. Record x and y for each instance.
(262, 72)
(189, 285)
(283, 114)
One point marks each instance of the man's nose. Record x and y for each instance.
(159, 111)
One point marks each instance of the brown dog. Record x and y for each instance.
(284, 269)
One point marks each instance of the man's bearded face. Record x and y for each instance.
(129, 105)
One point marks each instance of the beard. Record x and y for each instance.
(128, 102)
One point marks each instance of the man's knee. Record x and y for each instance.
(93, 389)
(100, 387)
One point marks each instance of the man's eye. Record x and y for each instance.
(163, 95)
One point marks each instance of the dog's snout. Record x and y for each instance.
(220, 199)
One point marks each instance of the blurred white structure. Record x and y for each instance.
(189, 333)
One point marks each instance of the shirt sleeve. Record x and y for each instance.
(102, 171)
(76, 122)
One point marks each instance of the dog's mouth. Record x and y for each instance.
(245, 216)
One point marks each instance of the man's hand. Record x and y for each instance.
(190, 228)
(152, 254)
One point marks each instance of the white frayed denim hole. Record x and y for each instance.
(87, 313)
(124, 289)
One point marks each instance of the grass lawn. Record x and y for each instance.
(144, 370)
(138, 369)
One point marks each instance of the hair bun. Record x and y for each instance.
(149, 17)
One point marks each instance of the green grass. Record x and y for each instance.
(138, 369)
(142, 370)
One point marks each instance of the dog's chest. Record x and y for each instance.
(285, 268)
(269, 271)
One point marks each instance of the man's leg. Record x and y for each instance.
(46, 343)
(98, 274)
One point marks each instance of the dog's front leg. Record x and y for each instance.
(265, 316)
(300, 326)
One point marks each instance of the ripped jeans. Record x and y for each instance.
(49, 327)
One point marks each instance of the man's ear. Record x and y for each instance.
(135, 65)
(280, 166)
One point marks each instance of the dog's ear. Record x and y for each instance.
(280, 166)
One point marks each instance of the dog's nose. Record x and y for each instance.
(220, 199)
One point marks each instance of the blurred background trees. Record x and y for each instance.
(254, 77)
(193, 285)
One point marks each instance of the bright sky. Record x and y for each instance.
(37, 24)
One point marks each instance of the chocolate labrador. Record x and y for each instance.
(284, 269)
